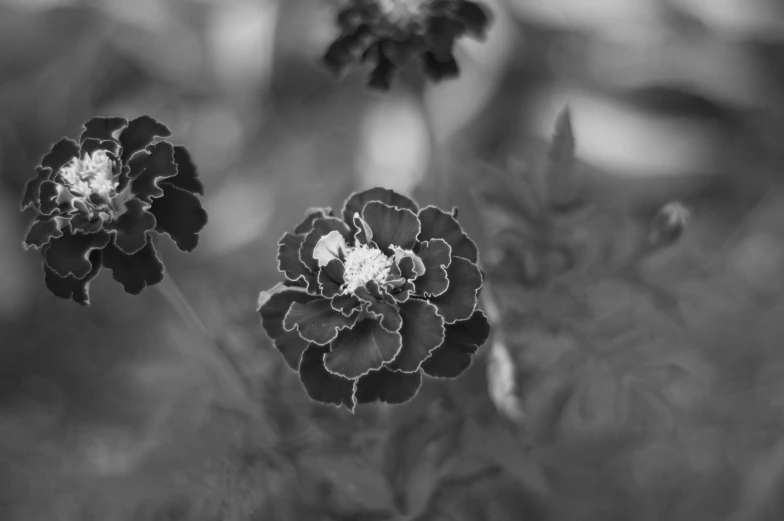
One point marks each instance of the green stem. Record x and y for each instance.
(229, 376)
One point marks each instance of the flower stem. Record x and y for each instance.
(229, 376)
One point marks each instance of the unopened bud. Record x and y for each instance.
(668, 224)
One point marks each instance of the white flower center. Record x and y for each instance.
(93, 174)
(364, 264)
(398, 11)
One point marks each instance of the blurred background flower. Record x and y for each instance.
(670, 100)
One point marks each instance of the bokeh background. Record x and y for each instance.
(124, 411)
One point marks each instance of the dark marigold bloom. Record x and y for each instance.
(99, 200)
(392, 33)
(374, 299)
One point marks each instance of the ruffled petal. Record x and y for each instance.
(357, 201)
(43, 230)
(273, 306)
(32, 193)
(132, 227)
(392, 387)
(139, 134)
(62, 153)
(363, 348)
(135, 272)
(391, 226)
(330, 247)
(102, 129)
(316, 321)
(288, 258)
(381, 305)
(346, 304)
(148, 167)
(321, 385)
(321, 227)
(330, 278)
(461, 340)
(460, 298)
(91, 145)
(69, 253)
(310, 216)
(71, 288)
(437, 224)
(422, 332)
(181, 215)
(187, 177)
(436, 257)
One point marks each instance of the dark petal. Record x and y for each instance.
(84, 224)
(311, 215)
(340, 54)
(364, 347)
(62, 153)
(32, 191)
(381, 305)
(90, 145)
(321, 385)
(150, 166)
(330, 278)
(187, 177)
(135, 272)
(357, 201)
(461, 341)
(321, 227)
(102, 129)
(288, 257)
(459, 300)
(131, 227)
(437, 224)
(382, 74)
(317, 321)
(422, 332)
(363, 235)
(436, 256)
(474, 17)
(273, 306)
(346, 304)
(69, 253)
(42, 231)
(407, 268)
(181, 215)
(70, 287)
(402, 293)
(391, 226)
(437, 70)
(139, 134)
(49, 194)
(392, 387)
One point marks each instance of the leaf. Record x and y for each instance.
(499, 446)
(560, 161)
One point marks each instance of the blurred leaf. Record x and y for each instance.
(560, 162)
(499, 446)
(354, 485)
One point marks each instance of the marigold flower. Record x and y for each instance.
(392, 33)
(99, 201)
(375, 298)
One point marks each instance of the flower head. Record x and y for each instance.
(392, 33)
(375, 298)
(99, 201)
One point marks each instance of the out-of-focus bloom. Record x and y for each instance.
(392, 33)
(99, 201)
(375, 298)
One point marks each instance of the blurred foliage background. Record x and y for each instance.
(121, 411)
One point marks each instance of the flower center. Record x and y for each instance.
(364, 264)
(93, 174)
(401, 10)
